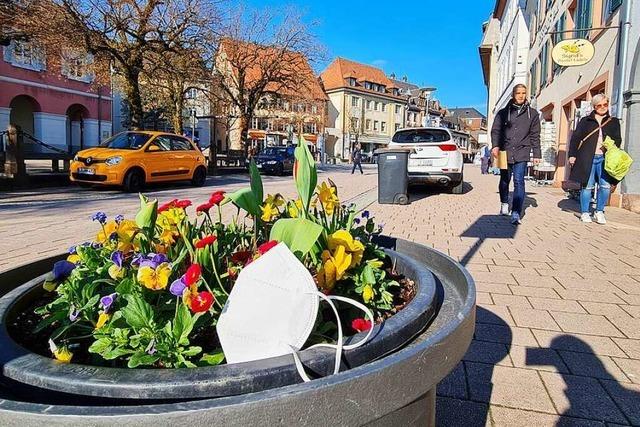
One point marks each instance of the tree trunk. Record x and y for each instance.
(242, 143)
(177, 117)
(132, 92)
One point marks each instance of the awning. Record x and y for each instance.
(309, 137)
(256, 134)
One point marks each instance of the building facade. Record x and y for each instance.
(365, 107)
(54, 100)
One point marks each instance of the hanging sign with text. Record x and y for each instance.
(573, 52)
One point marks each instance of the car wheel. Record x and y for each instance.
(458, 187)
(199, 177)
(133, 181)
(280, 169)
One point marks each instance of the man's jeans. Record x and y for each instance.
(517, 170)
(604, 188)
(358, 164)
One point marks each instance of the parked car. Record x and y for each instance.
(276, 160)
(435, 159)
(131, 159)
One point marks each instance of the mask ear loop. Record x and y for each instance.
(339, 346)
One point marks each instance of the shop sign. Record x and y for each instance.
(573, 52)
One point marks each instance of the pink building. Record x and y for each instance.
(53, 99)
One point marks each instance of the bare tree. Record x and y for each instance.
(354, 124)
(265, 52)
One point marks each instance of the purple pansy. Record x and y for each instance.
(117, 258)
(113, 236)
(365, 214)
(178, 286)
(96, 245)
(153, 260)
(137, 259)
(62, 269)
(73, 314)
(101, 217)
(107, 300)
(72, 249)
(356, 220)
(119, 219)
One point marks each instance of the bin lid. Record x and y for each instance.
(380, 151)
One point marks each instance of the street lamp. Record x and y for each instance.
(427, 93)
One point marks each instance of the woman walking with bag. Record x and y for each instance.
(586, 156)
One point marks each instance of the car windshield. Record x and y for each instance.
(126, 141)
(413, 136)
(274, 151)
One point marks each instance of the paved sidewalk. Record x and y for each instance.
(557, 339)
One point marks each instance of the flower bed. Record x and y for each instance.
(149, 291)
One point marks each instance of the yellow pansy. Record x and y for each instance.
(126, 232)
(352, 246)
(102, 320)
(294, 208)
(367, 293)
(116, 272)
(75, 258)
(269, 211)
(334, 266)
(328, 197)
(154, 278)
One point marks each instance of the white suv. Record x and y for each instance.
(435, 158)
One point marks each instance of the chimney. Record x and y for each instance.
(405, 79)
(393, 76)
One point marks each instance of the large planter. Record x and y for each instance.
(391, 379)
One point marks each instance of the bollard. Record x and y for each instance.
(14, 160)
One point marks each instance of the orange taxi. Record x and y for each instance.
(131, 159)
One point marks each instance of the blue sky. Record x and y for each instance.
(434, 43)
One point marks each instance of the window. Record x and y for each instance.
(544, 57)
(192, 93)
(398, 109)
(367, 85)
(382, 88)
(609, 8)
(354, 101)
(369, 105)
(126, 141)
(375, 125)
(254, 123)
(377, 108)
(368, 124)
(310, 127)
(421, 135)
(24, 54)
(533, 82)
(383, 126)
(384, 107)
(180, 144)
(355, 124)
(162, 142)
(352, 81)
(583, 18)
(314, 109)
(397, 126)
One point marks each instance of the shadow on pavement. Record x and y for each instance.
(487, 227)
(417, 192)
(569, 205)
(464, 395)
(602, 399)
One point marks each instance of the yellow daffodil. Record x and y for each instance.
(294, 208)
(274, 199)
(328, 197)
(102, 320)
(168, 236)
(269, 212)
(154, 278)
(367, 293)
(352, 246)
(125, 232)
(170, 217)
(334, 266)
(62, 354)
(116, 272)
(75, 258)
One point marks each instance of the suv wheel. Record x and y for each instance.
(133, 181)
(199, 177)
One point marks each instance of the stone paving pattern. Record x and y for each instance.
(557, 338)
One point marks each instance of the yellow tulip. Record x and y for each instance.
(328, 197)
(171, 217)
(367, 293)
(102, 320)
(154, 279)
(352, 246)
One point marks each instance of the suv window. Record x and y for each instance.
(420, 135)
(180, 144)
(162, 142)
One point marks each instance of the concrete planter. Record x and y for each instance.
(391, 379)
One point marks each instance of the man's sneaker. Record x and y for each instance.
(599, 217)
(515, 218)
(585, 217)
(504, 209)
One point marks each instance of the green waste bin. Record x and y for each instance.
(393, 177)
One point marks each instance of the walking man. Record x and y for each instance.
(356, 158)
(516, 130)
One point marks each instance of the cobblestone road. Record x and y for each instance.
(557, 339)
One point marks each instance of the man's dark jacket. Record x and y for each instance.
(517, 130)
(581, 170)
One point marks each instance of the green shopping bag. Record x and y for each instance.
(617, 162)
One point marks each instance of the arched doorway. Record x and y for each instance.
(21, 115)
(76, 114)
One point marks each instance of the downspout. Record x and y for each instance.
(624, 49)
(99, 112)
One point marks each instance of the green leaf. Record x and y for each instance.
(212, 359)
(115, 353)
(183, 325)
(101, 345)
(298, 234)
(368, 277)
(245, 199)
(47, 321)
(138, 313)
(146, 217)
(125, 287)
(256, 182)
(305, 174)
(192, 351)
(139, 358)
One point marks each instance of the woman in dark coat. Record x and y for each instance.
(586, 156)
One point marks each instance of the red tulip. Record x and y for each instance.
(193, 274)
(241, 257)
(183, 204)
(264, 248)
(361, 325)
(206, 241)
(168, 205)
(204, 207)
(201, 302)
(217, 197)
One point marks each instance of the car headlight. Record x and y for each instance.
(111, 161)
(272, 162)
(75, 158)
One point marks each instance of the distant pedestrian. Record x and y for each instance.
(485, 160)
(586, 157)
(356, 158)
(516, 130)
